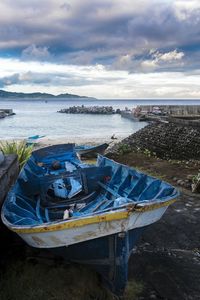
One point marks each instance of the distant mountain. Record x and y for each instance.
(4, 94)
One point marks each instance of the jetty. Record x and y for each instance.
(6, 112)
(101, 110)
(184, 114)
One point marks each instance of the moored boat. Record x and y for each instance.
(33, 140)
(91, 214)
(91, 151)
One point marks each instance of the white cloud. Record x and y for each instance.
(162, 60)
(184, 9)
(97, 81)
(33, 52)
(168, 56)
(124, 62)
(148, 65)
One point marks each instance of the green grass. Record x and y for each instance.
(150, 172)
(124, 148)
(17, 147)
(133, 290)
(196, 178)
(24, 280)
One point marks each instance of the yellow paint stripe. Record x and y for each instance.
(153, 206)
(93, 219)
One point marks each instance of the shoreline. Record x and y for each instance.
(90, 141)
(48, 141)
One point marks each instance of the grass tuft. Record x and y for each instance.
(133, 290)
(19, 148)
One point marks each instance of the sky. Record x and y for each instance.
(109, 49)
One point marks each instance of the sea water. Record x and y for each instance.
(41, 117)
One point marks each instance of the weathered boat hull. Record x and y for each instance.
(77, 231)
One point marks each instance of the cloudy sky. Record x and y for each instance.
(101, 48)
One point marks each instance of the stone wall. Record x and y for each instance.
(9, 170)
(194, 122)
(166, 140)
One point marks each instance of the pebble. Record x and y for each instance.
(152, 296)
(190, 177)
(179, 181)
(188, 204)
(178, 210)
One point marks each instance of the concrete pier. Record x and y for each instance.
(180, 114)
(174, 110)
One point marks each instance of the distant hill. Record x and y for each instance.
(4, 94)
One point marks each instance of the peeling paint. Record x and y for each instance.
(85, 236)
(38, 241)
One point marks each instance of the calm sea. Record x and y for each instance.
(40, 117)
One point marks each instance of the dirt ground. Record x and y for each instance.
(166, 169)
(167, 259)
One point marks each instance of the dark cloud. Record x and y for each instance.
(9, 80)
(47, 79)
(90, 32)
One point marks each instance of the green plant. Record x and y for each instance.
(196, 183)
(133, 290)
(19, 148)
(149, 153)
(124, 148)
(196, 178)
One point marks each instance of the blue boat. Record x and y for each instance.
(32, 140)
(91, 151)
(90, 214)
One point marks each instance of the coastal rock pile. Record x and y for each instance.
(6, 112)
(165, 140)
(108, 110)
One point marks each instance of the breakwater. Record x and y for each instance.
(165, 140)
(6, 112)
(108, 110)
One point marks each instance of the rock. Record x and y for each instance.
(182, 183)
(90, 110)
(152, 296)
(190, 177)
(179, 182)
(188, 185)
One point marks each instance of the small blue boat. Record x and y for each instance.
(32, 140)
(90, 214)
(91, 151)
